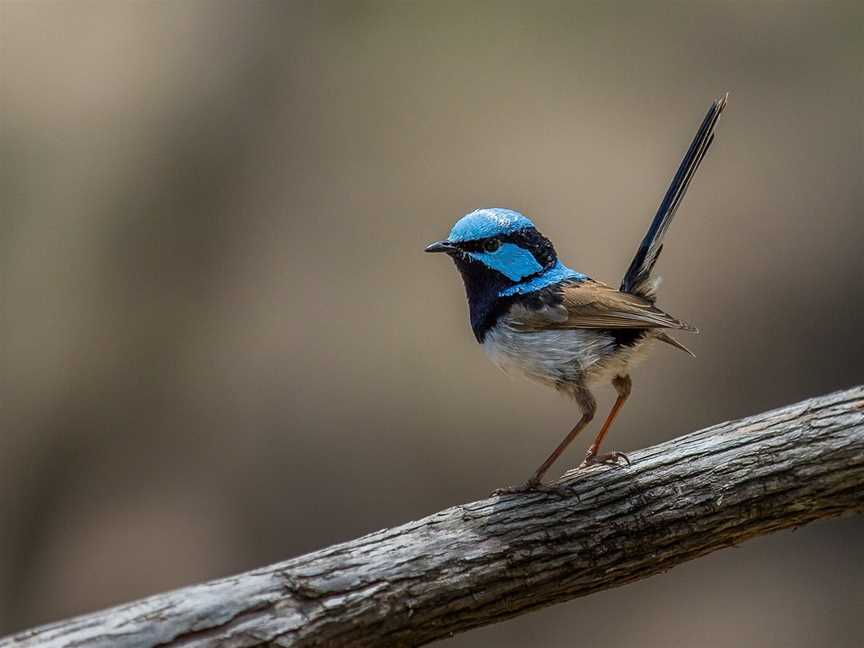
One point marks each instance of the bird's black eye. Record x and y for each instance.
(491, 245)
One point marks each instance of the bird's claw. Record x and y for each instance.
(531, 486)
(610, 459)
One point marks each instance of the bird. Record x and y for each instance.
(538, 318)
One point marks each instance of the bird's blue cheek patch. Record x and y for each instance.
(510, 260)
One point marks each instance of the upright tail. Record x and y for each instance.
(637, 280)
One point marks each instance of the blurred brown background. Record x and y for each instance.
(222, 345)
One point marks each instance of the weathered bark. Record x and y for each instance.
(479, 563)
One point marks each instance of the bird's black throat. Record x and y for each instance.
(482, 289)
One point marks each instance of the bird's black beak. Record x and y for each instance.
(441, 246)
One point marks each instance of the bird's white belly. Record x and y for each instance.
(559, 357)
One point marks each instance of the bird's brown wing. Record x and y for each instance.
(593, 305)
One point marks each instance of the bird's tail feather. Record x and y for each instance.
(638, 278)
(668, 339)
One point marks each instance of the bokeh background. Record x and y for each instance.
(222, 345)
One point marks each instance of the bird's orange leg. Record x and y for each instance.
(588, 406)
(552, 458)
(622, 385)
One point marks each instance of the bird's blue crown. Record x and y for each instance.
(492, 221)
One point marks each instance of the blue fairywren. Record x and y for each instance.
(536, 317)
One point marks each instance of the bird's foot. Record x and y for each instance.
(613, 458)
(531, 486)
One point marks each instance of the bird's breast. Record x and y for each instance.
(551, 357)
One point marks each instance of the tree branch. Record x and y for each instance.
(479, 563)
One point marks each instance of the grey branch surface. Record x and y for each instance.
(479, 563)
